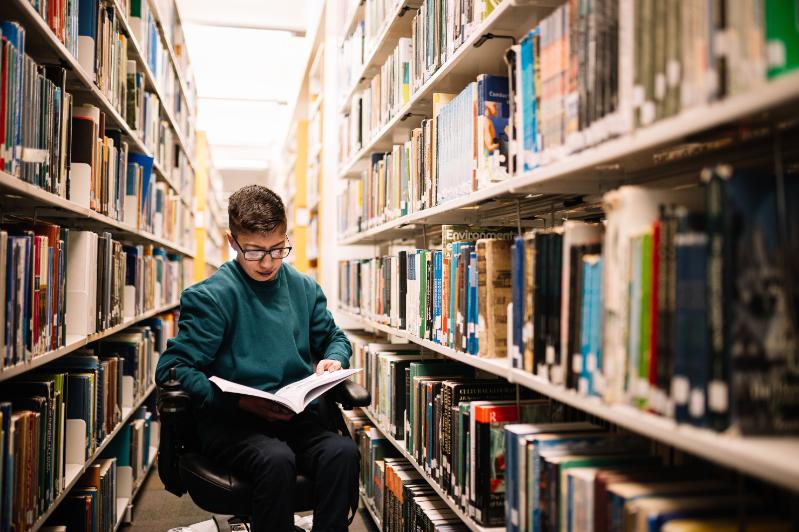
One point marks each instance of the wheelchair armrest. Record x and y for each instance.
(350, 394)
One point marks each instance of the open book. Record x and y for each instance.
(295, 396)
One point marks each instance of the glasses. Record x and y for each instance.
(259, 254)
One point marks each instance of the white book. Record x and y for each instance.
(295, 396)
(81, 316)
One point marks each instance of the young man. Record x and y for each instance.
(261, 323)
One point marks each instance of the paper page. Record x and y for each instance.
(233, 387)
(306, 390)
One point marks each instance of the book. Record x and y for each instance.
(295, 396)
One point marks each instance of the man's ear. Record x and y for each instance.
(230, 240)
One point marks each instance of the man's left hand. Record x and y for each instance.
(327, 365)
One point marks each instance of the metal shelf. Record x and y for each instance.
(49, 205)
(126, 415)
(587, 171)
(76, 342)
(774, 459)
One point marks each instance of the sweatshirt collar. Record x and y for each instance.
(259, 285)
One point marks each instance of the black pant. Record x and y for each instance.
(269, 454)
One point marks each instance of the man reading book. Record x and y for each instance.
(261, 323)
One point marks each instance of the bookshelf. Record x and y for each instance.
(74, 471)
(773, 459)
(171, 144)
(47, 205)
(210, 221)
(45, 47)
(125, 504)
(300, 178)
(400, 446)
(742, 127)
(75, 342)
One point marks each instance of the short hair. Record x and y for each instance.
(255, 209)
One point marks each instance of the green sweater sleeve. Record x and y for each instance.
(201, 329)
(326, 338)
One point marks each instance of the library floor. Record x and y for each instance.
(156, 510)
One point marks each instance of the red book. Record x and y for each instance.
(653, 329)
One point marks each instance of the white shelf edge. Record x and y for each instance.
(125, 418)
(14, 185)
(775, 92)
(23, 367)
(400, 446)
(774, 459)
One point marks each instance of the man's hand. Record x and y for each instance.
(262, 408)
(327, 365)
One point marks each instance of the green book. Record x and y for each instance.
(782, 36)
(431, 368)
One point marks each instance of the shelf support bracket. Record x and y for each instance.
(487, 36)
(408, 115)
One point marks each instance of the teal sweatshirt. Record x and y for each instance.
(260, 334)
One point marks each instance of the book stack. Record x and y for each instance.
(435, 294)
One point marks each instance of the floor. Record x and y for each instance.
(156, 510)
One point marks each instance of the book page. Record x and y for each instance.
(294, 396)
(306, 390)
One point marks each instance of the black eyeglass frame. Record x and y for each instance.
(264, 252)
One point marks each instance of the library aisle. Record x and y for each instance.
(561, 237)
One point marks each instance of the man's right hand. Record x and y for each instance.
(264, 409)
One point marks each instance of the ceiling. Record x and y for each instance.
(247, 57)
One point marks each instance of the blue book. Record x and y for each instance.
(437, 286)
(591, 333)
(14, 33)
(472, 306)
(493, 110)
(453, 287)
(529, 134)
(517, 297)
(146, 163)
(691, 340)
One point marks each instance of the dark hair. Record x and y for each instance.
(255, 209)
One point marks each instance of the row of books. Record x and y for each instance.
(579, 77)
(45, 138)
(458, 151)
(401, 499)
(508, 460)
(58, 283)
(658, 307)
(58, 415)
(67, 149)
(92, 31)
(146, 32)
(92, 504)
(439, 28)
